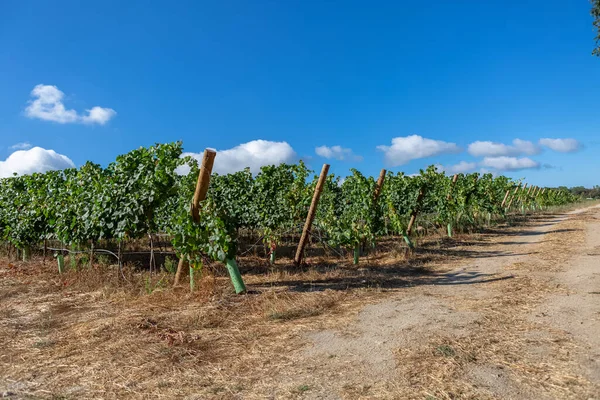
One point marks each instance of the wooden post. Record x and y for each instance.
(312, 211)
(505, 198)
(512, 198)
(454, 179)
(413, 216)
(91, 254)
(521, 192)
(379, 185)
(199, 194)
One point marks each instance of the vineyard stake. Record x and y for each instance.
(379, 185)
(521, 193)
(454, 179)
(413, 217)
(91, 254)
(199, 194)
(513, 196)
(505, 197)
(311, 214)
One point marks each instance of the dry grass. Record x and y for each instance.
(91, 334)
(503, 339)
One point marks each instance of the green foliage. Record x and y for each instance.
(596, 14)
(347, 212)
(170, 265)
(142, 192)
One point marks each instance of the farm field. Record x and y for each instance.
(509, 312)
(300, 200)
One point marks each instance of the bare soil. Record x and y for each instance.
(510, 313)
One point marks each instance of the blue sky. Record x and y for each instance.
(438, 76)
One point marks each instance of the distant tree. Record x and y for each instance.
(593, 193)
(596, 14)
(579, 190)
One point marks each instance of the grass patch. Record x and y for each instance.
(446, 350)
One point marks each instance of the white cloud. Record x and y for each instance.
(494, 149)
(47, 105)
(25, 162)
(405, 149)
(21, 146)
(337, 152)
(254, 154)
(561, 145)
(509, 163)
(98, 115)
(460, 168)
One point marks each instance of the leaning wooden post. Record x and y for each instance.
(532, 197)
(521, 192)
(505, 198)
(379, 185)
(523, 198)
(512, 198)
(312, 211)
(413, 217)
(199, 194)
(454, 179)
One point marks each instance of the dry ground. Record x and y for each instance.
(511, 313)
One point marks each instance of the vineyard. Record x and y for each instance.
(143, 193)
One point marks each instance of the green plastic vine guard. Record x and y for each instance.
(236, 277)
(73, 261)
(356, 254)
(192, 278)
(408, 241)
(449, 230)
(26, 253)
(61, 263)
(272, 258)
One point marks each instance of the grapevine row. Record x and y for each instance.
(143, 192)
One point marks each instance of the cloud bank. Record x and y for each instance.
(561, 145)
(494, 149)
(37, 159)
(405, 149)
(254, 154)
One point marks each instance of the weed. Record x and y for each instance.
(446, 350)
(104, 260)
(43, 343)
(151, 287)
(84, 260)
(170, 265)
(303, 388)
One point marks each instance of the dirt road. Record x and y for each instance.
(519, 320)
